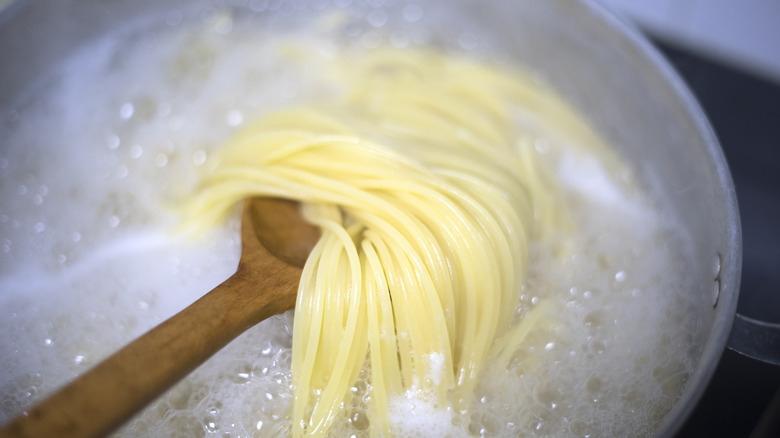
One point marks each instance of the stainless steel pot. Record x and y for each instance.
(604, 67)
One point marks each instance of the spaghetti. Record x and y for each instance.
(426, 199)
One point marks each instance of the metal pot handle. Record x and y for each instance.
(757, 339)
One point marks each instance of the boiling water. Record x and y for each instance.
(94, 161)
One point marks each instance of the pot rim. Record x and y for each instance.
(728, 279)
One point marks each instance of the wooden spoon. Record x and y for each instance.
(275, 244)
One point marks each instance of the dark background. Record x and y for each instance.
(743, 399)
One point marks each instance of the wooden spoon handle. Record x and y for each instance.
(111, 393)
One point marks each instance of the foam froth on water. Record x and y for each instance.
(87, 262)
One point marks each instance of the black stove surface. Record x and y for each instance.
(743, 398)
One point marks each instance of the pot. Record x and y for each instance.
(603, 67)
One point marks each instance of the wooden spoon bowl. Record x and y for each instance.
(275, 244)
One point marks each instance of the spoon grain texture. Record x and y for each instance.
(275, 244)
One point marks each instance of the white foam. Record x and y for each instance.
(103, 272)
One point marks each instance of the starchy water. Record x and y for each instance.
(94, 161)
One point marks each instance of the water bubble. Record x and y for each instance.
(75, 236)
(267, 349)
(467, 41)
(224, 25)
(593, 384)
(211, 425)
(359, 420)
(234, 117)
(199, 157)
(112, 141)
(342, 3)
(377, 18)
(412, 13)
(371, 40)
(399, 39)
(161, 160)
(21, 190)
(126, 110)
(136, 151)
(39, 227)
(122, 171)
(113, 221)
(542, 145)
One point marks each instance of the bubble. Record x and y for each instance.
(467, 41)
(359, 420)
(593, 384)
(126, 110)
(211, 425)
(122, 171)
(161, 160)
(113, 142)
(136, 151)
(412, 13)
(224, 25)
(377, 18)
(399, 39)
(234, 117)
(199, 157)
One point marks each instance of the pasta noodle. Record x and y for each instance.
(426, 199)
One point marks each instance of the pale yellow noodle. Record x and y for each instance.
(427, 200)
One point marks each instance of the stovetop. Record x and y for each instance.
(743, 399)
